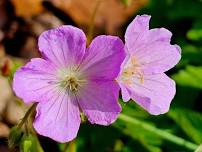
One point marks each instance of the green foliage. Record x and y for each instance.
(191, 55)
(16, 65)
(195, 34)
(147, 140)
(30, 143)
(191, 76)
(15, 137)
(189, 121)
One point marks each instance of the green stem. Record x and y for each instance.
(72, 146)
(65, 147)
(161, 133)
(27, 115)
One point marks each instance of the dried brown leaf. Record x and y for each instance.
(110, 15)
(15, 111)
(27, 8)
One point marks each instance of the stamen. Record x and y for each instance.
(72, 83)
(132, 70)
(71, 79)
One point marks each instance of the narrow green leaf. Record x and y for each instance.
(191, 76)
(149, 141)
(189, 121)
(14, 137)
(195, 34)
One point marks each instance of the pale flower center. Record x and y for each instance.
(132, 70)
(72, 83)
(72, 80)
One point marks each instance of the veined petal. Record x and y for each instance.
(59, 118)
(99, 102)
(125, 92)
(135, 30)
(158, 58)
(35, 80)
(63, 46)
(154, 94)
(151, 48)
(147, 39)
(103, 58)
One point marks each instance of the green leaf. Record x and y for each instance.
(15, 137)
(189, 121)
(133, 109)
(191, 55)
(185, 8)
(30, 143)
(195, 34)
(147, 140)
(191, 76)
(16, 64)
(27, 146)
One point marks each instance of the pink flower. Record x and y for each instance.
(149, 55)
(69, 79)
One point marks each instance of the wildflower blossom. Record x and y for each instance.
(69, 79)
(149, 55)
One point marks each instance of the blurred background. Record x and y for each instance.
(22, 21)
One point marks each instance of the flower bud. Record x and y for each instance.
(30, 143)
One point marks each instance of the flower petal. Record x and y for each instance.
(151, 48)
(35, 80)
(135, 30)
(125, 92)
(99, 102)
(158, 58)
(59, 118)
(103, 58)
(154, 94)
(63, 46)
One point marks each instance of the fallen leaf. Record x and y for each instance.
(27, 8)
(15, 111)
(110, 15)
(4, 130)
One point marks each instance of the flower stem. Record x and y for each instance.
(72, 146)
(161, 133)
(92, 20)
(65, 147)
(27, 115)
